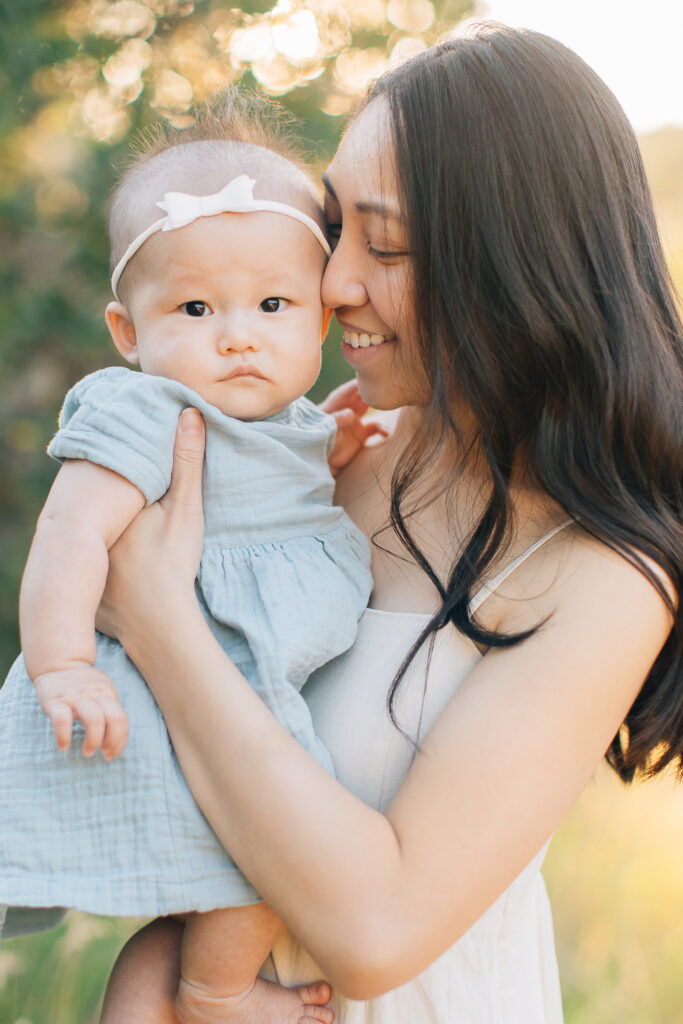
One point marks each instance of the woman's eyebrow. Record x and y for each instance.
(381, 209)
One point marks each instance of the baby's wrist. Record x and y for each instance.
(38, 671)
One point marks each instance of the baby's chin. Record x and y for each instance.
(243, 401)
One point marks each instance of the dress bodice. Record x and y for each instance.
(503, 970)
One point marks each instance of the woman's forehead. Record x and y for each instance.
(363, 166)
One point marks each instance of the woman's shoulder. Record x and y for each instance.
(576, 578)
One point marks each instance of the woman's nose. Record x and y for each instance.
(342, 284)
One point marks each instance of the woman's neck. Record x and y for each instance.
(457, 481)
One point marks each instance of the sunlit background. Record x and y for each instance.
(79, 78)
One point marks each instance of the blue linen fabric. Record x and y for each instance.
(283, 580)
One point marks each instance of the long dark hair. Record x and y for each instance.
(542, 293)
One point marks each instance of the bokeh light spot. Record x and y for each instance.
(172, 92)
(411, 15)
(354, 68)
(296, 35)
(405, 48)
(103, 117)
(125, 67)
(121, 18)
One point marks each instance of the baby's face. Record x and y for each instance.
(230, 306)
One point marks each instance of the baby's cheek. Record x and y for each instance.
(177, 365)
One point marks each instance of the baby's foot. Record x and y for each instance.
(263, 1002)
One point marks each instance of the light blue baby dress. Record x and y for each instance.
(283, 580)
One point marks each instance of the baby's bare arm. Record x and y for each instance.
(86, 511)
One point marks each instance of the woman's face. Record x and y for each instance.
(368, 279)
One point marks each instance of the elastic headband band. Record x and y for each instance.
(235, 197)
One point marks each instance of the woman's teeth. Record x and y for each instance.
(364, 340)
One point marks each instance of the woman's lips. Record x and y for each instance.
(361, 339)
(356, 355)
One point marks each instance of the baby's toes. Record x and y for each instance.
(316, 1015)
(317, 994)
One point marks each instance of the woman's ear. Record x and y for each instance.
(327, 316)
(122, 331)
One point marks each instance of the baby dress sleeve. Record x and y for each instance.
(125, 421)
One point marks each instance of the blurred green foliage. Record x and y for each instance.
(78, 79)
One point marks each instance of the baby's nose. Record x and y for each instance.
(236, 334)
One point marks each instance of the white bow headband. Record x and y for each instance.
(236, 197)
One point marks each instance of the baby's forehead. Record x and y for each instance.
(202, 169)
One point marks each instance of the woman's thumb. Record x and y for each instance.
(188, 460)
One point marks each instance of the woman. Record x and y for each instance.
(494, 227)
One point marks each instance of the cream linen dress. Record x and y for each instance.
(503, 970)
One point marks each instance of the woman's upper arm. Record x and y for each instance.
(512, 751)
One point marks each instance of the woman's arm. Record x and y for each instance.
(373, 897)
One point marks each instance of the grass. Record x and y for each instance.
(615, 876)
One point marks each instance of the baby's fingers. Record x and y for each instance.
(346, 396)
(61, 716)
(90, 713)
(116, 729)
(374, 428)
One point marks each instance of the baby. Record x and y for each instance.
(218, 253)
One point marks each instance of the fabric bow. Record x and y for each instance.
(181, 208)
(235, 197)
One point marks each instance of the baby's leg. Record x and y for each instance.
(222, 953)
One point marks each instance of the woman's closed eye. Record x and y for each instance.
(273, 304)
(196, 308)
(386, 253)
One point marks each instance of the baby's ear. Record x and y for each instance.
(327, 316)
(122, 331)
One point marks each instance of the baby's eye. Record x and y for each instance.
(196, 308)
(272, 305)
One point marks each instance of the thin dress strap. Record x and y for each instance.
(493, 584)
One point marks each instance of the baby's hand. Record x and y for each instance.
(84, 693)
(348, 408)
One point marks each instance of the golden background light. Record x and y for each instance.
(285, 47)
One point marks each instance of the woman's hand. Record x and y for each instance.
(156, 559)
(348, 408)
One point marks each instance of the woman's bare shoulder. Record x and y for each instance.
(577, 574)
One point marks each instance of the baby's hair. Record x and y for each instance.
(235, 132)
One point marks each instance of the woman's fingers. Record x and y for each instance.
(185, 489)
(162, 546)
